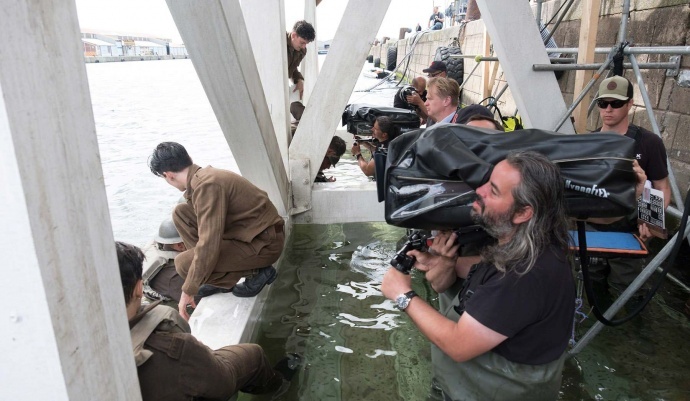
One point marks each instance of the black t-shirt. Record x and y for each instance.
(434, 15)
(535, 311)
(650, 152)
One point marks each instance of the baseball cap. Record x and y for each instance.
(616, 87)
(436, 66)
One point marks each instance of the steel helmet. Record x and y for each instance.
(167, 233)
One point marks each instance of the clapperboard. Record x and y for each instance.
(650, 210)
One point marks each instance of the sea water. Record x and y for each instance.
(326, 303)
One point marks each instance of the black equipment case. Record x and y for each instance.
(431, 174)
(359, 118)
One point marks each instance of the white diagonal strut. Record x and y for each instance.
(268, 45)
(336, 81)
(215, 35)
(63, 334)
(518, 45)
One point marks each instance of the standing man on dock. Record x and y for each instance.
(302, 34)
(229, 227)
(615, 101)
(506, 336)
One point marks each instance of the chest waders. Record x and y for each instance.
(492, 377)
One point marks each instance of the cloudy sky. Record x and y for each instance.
(152, 18)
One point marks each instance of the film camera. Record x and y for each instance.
(430, 176)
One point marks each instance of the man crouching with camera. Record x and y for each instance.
(505, 336)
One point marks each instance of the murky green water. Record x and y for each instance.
(326, 305)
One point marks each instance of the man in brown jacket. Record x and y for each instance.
(230, 227)
(302, 34)
(173, 365)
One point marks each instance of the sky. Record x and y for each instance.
(152, 17)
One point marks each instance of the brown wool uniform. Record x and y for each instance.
(229, 227)
(173, 365)
(294, 58)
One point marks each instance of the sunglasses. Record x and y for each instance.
(615, 104)
(435, 74)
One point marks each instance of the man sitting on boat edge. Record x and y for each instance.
(173, 365)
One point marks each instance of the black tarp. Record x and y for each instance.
(431, 174)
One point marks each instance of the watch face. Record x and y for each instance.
(402, 302)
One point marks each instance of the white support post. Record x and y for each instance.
(310, 64)
(518, 45)
(268, 45)
(215, 35)
(63, 333)
(334, 86)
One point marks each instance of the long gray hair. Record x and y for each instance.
(541, 187)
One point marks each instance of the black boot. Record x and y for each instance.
(207, 290)
(254, 285)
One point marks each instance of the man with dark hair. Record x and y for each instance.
(482, 121)
(302, 34)
(383, 131)
(615, 100)
(229, 227)
(335, 150)
(507, 335)
(173, 365)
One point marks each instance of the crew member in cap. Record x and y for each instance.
(437, 69)
(615, 100)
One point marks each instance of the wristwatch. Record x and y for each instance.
(403, 300)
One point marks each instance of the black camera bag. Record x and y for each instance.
(431, 174)
(359, 118)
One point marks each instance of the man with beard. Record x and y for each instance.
(506, 336)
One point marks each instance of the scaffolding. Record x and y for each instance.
(623, 48)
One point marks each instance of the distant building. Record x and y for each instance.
(102, 45)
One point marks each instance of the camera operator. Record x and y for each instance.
(384, 131)
(413, 97)
(506, 336)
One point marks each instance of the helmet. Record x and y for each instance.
(167, 233)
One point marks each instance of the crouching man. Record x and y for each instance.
(229, 227)
(506, 335)
(173, 365)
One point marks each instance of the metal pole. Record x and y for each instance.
(479, 58)
(586, 89)
(629, 50)
(501, 92)
(622, 34)
(464, 81)
(634, 286)
(678, 199)
(539, 11)
(558, 22)
(572, 67)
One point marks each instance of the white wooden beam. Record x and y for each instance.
(215, 35)
(331, 203)
(518, 45)
(268, 45)
(310, 64)
(64, 332)
(335, 84)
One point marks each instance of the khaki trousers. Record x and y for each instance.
(237, 259)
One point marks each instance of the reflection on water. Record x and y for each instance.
(328, 307)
